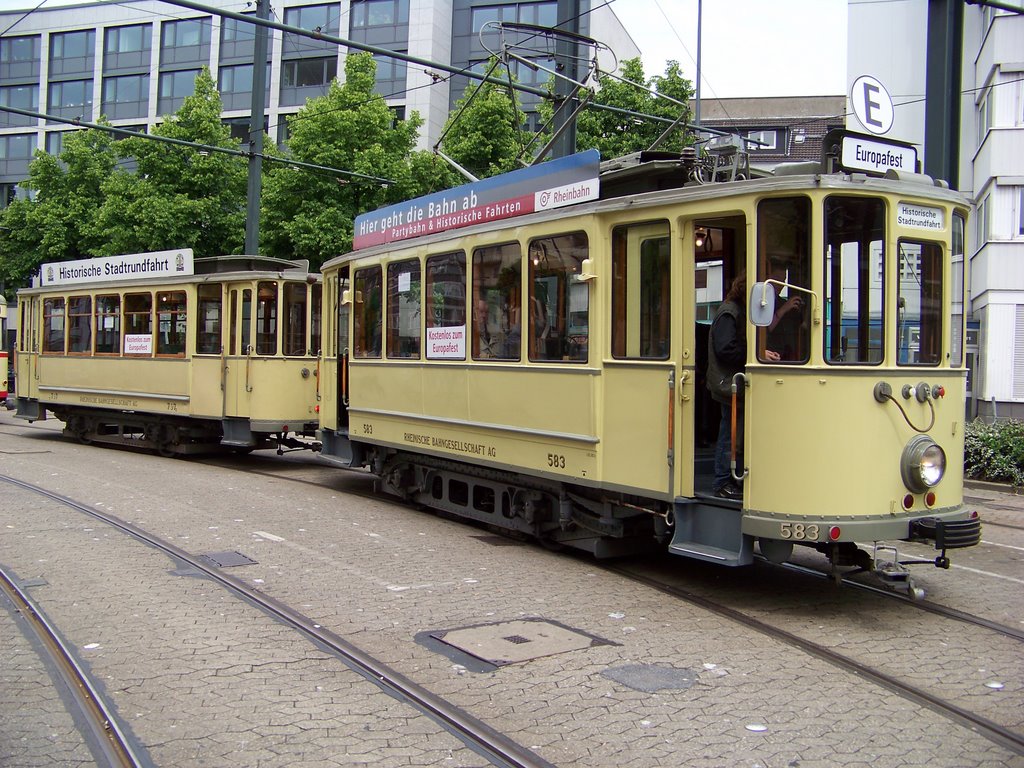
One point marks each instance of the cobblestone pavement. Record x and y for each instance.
(382, 576)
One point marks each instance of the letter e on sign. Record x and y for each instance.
(872, 104)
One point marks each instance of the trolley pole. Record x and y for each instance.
(259, 98)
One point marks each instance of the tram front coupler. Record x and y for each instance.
(895, 573)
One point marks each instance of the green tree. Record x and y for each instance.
(176, 197)
(309, 214)
(614, 134)
(57, 224)
(484, 133)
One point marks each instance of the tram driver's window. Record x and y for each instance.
(108, 325)
(80, 325)
(208, 320)
(266, 318)
(497, 302)
(53, 325)
(172, 321)
(784, 255)
(294, 315)
(445, 296)
(367, 313)
(855, 265)
(559, 319)
(404, 301)
(641, 291)
(919, 303)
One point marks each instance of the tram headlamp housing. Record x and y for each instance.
(922, 464)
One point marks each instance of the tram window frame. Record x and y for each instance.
(957, 265)
(368, 313)
(445, 294)
(172, 310)
(638, 274)
(498, 289)
(784, 254)
(316, 299)
(108, 324)
(559, 318)
(871, 266)
(929, 276)
(54, 326)
(294, 316)
(404, 309)
(79, 325)
(209, 319)
(137, 321)
(266, 318)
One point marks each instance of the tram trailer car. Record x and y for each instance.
(211, 354)
(546, 374)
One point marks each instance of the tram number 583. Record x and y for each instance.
(798, 532)
(556, 460)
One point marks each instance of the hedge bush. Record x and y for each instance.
(995, 451)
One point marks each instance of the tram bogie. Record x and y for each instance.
(209, 355)
(548, 374)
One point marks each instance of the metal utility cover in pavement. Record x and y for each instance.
(515, 641)
(227, 559)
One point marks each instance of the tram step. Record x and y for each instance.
(711, 533)
(709, 554)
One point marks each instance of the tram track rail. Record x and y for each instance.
(106, 733)
(483, 739)
(998, 734)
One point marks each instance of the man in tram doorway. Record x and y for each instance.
(727, 356)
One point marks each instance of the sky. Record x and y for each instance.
(748, 47)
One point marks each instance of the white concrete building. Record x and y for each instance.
(887, 39)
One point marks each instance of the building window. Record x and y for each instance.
(984, 223)
(72, 98)
(174, 88)
(19, 57)
(302, 79)
(766, 140)
(185, 41)
(127, 48)
(23, 97)
(235, 86)
(1019, 215)
(375, 13)
(126, 96)
(16, 153)
(323, 18)
(237, 40)
(72, 52)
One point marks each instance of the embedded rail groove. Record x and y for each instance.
(992, 731)
(107, 734)
(476, 734)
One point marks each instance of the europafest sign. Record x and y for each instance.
(553, 184)
(132, 266)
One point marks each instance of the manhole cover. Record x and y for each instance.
(515, 641)
(227, 559)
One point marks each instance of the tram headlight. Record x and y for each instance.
(923, 464)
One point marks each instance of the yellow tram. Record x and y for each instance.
(164, 351)
(530, 352)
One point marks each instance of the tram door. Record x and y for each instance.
(239, 350)
(640, 379)
(343, 349)
(27, 351)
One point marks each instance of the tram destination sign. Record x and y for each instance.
(132, 266)
(553, 184)
(876, 156)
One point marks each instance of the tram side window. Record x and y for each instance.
(919, 304)
(559, 303)
(208, 319)
(366, 328)
(784, 254)
(641, 283)
(855, 266)
(266, 318)
(497, 302)
(294, 314)
(25, 327)
(53, 325)
(315, 329)
(446, 306)
(108, 325)
(957, 319)
(172, 321)
(138, 324)
(80, 325)
(404, 301)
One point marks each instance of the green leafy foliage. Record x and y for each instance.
(995, 451)
(309, 214)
